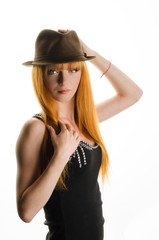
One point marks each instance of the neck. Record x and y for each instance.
(66, 110)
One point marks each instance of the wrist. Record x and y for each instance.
(59, 159)
(100, 62)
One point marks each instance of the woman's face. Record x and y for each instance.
(62, 81)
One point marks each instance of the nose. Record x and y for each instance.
(62, 77)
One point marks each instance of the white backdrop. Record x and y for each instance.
(126, 33)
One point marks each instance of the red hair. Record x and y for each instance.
(84, 103)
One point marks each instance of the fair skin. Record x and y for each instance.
(33, 189)
(59, 80)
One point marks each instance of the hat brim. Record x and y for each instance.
(49, 62)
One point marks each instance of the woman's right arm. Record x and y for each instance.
(33, 189)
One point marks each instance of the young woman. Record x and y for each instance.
(60, 151)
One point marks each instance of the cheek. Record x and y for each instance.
(49, 83)
(77, 81)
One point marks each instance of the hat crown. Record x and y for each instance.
(52, 45)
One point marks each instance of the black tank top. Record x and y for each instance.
(76, 213)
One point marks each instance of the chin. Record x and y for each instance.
(64, 99)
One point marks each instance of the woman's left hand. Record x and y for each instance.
(85, 48)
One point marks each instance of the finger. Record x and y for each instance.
(51, 132)
(70, 129)
(62, 125)
(62, 30)
(51, 129)
(48, 127)
(76, 135)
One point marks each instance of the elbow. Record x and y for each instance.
(24, 215)
(25, 218)
(139, 95)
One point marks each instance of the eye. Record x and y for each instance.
(51, 72)
(74, 70)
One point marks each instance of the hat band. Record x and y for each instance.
(56, 58)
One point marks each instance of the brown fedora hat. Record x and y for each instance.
(53, 47)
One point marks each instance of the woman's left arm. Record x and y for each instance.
(128, 92)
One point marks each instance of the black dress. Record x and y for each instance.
(76, 213)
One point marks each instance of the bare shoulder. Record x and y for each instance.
(33, 127)
(30, 137)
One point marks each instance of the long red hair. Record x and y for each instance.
(85, 115)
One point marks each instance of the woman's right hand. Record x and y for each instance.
(66, 142)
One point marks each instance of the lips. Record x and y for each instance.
(64, 91)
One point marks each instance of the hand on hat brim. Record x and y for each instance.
(86, 49)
